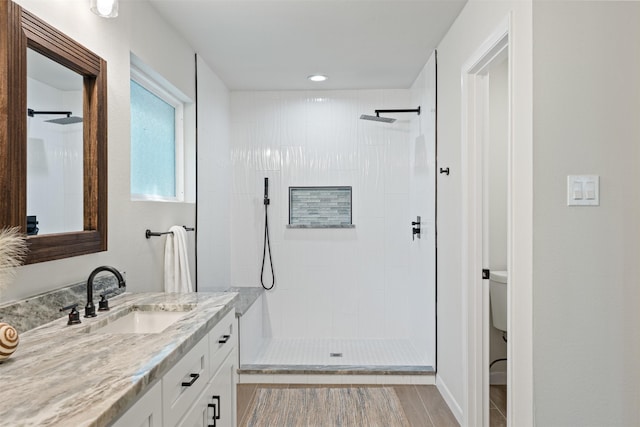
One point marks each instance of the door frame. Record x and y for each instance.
(475, 295)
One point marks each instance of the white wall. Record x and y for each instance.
(214, 181)
(141, 30)
(586, 294)
(331, 283)
(473, 26)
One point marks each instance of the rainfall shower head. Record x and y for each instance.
(377, 117)
(61, 121)
(66, 120)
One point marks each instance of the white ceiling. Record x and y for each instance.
(275, 45)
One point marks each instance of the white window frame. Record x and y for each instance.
(168, 95)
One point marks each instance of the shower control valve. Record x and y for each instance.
(416, 228)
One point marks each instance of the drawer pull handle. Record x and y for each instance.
(216, 414)
(212, 405)
(224, 339)
(194, 377)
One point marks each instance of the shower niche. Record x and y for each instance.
(320, 207)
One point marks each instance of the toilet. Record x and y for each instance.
(498, 297)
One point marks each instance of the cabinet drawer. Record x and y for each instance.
(222, 339)
(146, 412)
(217, 401)
(184, 382)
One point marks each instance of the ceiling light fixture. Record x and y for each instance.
(317, 78)
(105, 8)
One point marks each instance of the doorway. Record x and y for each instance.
(486, 147)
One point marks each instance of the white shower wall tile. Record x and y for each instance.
(330, 283)
(355, 352)
(396, 310)
(371, 178)
(295, 319)
(319, 312)
(242, 171)
(396, 166)
(371, 322)
(397, 230)
(344, 325)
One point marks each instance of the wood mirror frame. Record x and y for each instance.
(20, 30)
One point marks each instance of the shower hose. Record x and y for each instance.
(267, 244)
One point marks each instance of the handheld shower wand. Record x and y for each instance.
(267, 243)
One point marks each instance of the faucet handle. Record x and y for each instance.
(103, 304)
(74, 315)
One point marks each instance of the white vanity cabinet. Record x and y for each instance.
(183, 383)
(216, 405)
(147, 412)
(199, 390)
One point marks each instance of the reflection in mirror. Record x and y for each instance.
(20, 31)
(54, 147)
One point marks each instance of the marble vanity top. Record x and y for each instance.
(68, 375)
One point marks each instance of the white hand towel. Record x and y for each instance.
(176, 264)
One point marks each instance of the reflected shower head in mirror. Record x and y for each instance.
(61, 121)
(377, 118)
(66, 120)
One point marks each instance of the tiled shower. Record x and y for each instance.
(362, 291)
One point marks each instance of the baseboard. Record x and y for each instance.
(455, 408)
(498, 378)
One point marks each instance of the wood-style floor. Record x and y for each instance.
(423, 405)
(498, 406)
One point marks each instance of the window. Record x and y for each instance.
(157, 171)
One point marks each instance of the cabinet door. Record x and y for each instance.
(216, 406)
(184, 382)
(146, 412)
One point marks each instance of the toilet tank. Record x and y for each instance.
(498, 296)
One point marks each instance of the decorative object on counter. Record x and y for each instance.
(8, 340)
(13, 248)
(177, 277)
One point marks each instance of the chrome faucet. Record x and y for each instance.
(90, 309)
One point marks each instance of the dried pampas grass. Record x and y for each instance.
(13, 248)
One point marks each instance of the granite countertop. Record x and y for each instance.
(68, 375)
(246, 297)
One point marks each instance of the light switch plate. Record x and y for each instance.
(583, 190)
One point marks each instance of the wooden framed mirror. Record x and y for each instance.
(20, 30)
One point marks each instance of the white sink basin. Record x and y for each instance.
(142, 322)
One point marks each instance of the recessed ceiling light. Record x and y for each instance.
(317, 78)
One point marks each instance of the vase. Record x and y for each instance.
(8, 340)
